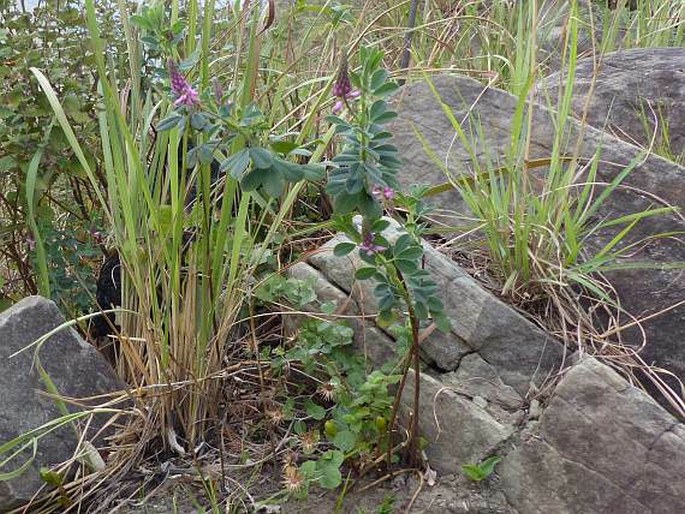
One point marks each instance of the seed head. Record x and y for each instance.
(308, 441)
(327, 391)
(293, 480)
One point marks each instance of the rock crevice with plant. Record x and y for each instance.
(330, 281)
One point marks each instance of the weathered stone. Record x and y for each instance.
(459, 431)
(325, 291)
(601, 446)
(340, 271)
(486, 116)
(520, 352)
(76, 369)
(475, 376)
(552, 29)
(638, 95)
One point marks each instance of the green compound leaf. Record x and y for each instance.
(198, 121)
(380, 225)
(291, 172)
(385, 117)
(170, 122)
(405, 266)
(261, 157)
(313, 171)
(342, 249)
(379, 107)
(386, 89)
(365, 273)
(236, 164)
(345, 203)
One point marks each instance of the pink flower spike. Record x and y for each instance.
(189, 98)
(185, 94)
(342, 88)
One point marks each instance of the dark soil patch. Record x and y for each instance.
(403, 493)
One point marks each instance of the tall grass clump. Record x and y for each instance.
(534, 216)
(649, 24)
(480, 38)
(188, 238)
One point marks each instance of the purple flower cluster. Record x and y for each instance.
(383, 193)
(369, 247)
(342, 88)
(182, 90)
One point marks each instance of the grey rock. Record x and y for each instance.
(340, 271)
(475, 377)
(325, 291)
(481, 402)
(77, 370)
(459, 431)
(634, 94)
(601, 445)
(486, 116)
(534, 410)
(520, 352)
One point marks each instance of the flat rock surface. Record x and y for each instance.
(485, 115)
(457, 429)
(601, 446)
(77, 371)
(638, 95)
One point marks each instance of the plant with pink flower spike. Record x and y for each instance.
(255, 166)
(364, 181)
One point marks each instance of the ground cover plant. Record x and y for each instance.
(278, 115)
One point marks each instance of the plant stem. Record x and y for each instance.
(412, 357)
(414, 457)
